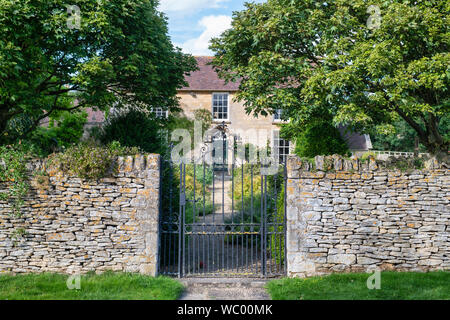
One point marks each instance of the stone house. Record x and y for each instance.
(205, 90)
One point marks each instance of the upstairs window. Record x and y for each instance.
(277, 115)
(220, 106)
(161, 113)
(281, 147)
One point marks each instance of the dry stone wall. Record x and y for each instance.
(70, 225)
(355, 216)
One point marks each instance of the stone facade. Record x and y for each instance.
(355, 216)
(254, 130)
(75, 226)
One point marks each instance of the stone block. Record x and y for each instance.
(347, 259)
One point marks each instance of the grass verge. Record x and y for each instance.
(353, 286)
(107, 286)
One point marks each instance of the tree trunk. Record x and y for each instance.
(440, 151)
(435, 141)
(436, 146)
(416, 146)
(430, 137)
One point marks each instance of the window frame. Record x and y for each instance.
(164, 113)
(228, 106)
(280, 120)
(276, 146)
(276, 113)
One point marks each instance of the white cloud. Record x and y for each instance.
(188, 5)
(213, 27)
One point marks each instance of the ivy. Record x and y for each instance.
(13, 171)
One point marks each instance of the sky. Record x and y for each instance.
(192, 23)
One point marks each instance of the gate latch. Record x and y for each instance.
(182, 199)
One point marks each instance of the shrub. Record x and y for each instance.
(320, 139)
(133, 128)
(89, 161)
(64, 130)
(69, 128)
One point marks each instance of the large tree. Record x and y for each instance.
(366, 64)
(95, 53)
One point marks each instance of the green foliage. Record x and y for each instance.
(317, 59)
(89, 161)
(134, 128)
(353, 286)
(402, 137)
(319, 138)
(366, 155)
(203, 175)
(121, 55)
(109, 285)
(13, 171)
(242, 195)
(42, 179)
(63, 131)
(68, 127)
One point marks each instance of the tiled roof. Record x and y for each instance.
(95, 117)
(206, 79)
(355, 141)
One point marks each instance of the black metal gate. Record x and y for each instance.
(222, 223)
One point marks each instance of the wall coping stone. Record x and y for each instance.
(296, 166)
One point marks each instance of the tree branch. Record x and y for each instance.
(412, 123)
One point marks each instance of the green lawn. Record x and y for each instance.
(108, 286)
(394, 286)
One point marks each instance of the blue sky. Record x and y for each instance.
(192, 23)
